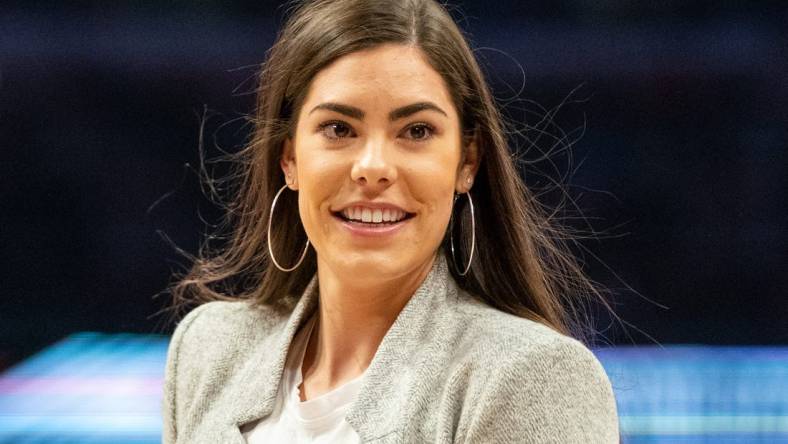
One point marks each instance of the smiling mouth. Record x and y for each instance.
(342, 217)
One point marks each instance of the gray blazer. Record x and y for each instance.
(450, 370)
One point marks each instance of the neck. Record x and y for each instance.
(352, 320)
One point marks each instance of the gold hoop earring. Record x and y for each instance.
(270, 252)
(473, 235)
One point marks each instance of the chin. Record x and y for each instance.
(382, 265)
(378, 263)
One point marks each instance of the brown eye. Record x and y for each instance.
(419, 131)
(335, 130)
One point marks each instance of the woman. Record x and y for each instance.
(387, 277)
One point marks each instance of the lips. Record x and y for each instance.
(372, 221)
(372, 213)
(371, 231)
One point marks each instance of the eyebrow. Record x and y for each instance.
(413, 108)
(350, 111)
(399, 113)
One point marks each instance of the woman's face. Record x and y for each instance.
(378, 138)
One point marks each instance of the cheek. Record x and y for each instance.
(319, 181)
(432, 184)
(433, 177)
(437, 218)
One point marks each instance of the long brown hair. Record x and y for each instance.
(522, 264)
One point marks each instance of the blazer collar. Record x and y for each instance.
(385, 385)
(255, 397)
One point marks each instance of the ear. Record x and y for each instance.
(288, 164)
(469, 166)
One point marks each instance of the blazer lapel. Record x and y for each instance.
(377, 412)
(256, 394)
(375, 415)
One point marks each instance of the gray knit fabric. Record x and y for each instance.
(450, 370)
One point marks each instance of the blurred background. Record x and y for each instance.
(666, 123)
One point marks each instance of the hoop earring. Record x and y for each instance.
(270, 252)
(473, 235)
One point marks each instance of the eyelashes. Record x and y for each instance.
(335, 130)
(426, 130)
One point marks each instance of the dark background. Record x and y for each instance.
(675, 112)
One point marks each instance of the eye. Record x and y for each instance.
(336, 129)
(419, 131)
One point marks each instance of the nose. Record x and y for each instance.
(374, 167)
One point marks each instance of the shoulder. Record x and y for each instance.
(211, 341)
(218, 327)
(503, 337)
(532, 379)
(213, 317)
(516, 346)
(204, 352)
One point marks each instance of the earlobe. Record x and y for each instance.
(465, 181)
(288, 164)
(470, 167)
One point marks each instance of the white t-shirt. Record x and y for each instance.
(318, 420)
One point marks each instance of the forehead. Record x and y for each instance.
(388, 75)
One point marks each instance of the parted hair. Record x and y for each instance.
(522, 263)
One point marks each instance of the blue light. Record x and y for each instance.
(98, 388)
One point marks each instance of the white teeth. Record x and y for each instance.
(370, 215)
